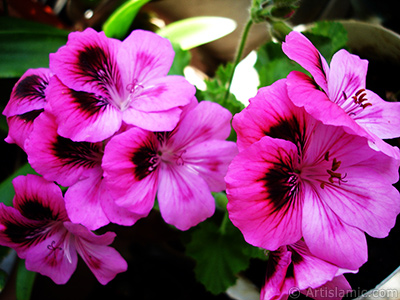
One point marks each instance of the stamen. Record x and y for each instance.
(359, 98)
(332, 174)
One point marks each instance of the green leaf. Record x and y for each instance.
(192, 32)
(328, 37)
(272, 64)
(117, 25)
(181, 60)
(219, 254)
(24, 282)
(7, 188)
(25, 44)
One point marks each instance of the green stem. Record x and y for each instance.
(239, 54)
(225, 220)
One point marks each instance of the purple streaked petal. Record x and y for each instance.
(271, 113)
(130, 169)
(87, 63)
(263, 202)
(335, 289)
(38, 199)
(60, 159)
(19, 232)
(310, 271)
(373, 210)
(153, 121)
(143, 56)
(331, 243)
(117, 214)
(29, 93)
(277, 267)
(298, 48)
(381, 118)
(304, 93)
(161, 94)
(183, 197)
(54, 257)
(20, 127)
(83, 202)
(211, 159)
(206, 121)
(347, 75)
(82, 116)
(105, 262)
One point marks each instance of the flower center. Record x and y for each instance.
(333, 175)
(355, 104)
(134, 89)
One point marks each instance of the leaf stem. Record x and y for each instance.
(225, 220)
(239, 54)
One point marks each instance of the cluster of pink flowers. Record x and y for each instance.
(313, 174)
(107, 123)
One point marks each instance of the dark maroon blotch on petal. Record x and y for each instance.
(288, 129)
(145, 160)
(72, 153)
(31, 87)
(89, 103)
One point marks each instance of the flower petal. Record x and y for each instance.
(304, 93)
(298, 48)
(54, 257)
(183, 197)
(130, 171)
(335, 289)
(83, 202)
(29, 93)
(332, 243)
(277, 267)
(162, 94)
(271, 113)
(153, 121)
(263, 202)
(310, 271)
(204, 122)
(211, 159)
(347, 75)
(20, 127)
(381, 118)
(82, 116)
(87, 63)
(60, 159)
(143, 56)
(105, 262)
(19, 232)
(38, 199)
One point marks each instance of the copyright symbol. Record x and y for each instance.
(294, 292)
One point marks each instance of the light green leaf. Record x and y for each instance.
(24, 283)
(220, 255)
(328, 37)
(117, 25)
(25, 44)
(196, 31)
(181, 60)
(272, 64)
(7, 188)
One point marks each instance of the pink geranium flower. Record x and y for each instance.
(27, 101)
(38, 228)
(76, 165)
(182, 166)
(296, 177)
(102, 82)
(344, 99)
(294, 269)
